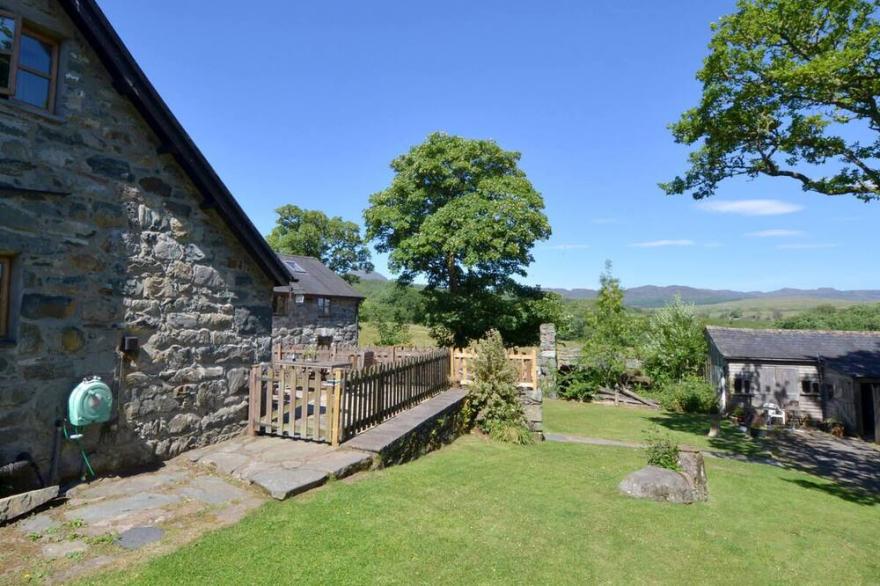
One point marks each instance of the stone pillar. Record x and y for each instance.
(548, 364)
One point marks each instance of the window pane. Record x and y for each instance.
(32, 89)
(36, 54)
(4, 71)
(7, 33)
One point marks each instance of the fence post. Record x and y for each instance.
(336, 410)
(253, 402)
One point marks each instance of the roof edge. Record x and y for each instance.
(131, 82)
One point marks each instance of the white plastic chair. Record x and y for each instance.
(774, 412)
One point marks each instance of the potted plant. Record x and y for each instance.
(835, 427)
(758, 428)
(738, 414)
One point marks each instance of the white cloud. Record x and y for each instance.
(750, 207)
(775, 233)
(566, 246)
(806, 246)
(659, 243)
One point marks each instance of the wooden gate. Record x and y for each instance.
(295, 401)
(524, 360)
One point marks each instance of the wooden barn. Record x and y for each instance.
(825, 374)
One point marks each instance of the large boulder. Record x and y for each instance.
(658, 484)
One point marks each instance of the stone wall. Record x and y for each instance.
(303, 324)
(533, 400)
(109, 240)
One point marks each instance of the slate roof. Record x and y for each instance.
(314, 278)
(130, 81)
(855, 354)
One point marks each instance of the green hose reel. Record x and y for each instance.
(90, 402)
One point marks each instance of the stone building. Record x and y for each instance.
(114, 227)
(824, 374)
(317, 307)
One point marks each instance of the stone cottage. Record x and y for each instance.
(122, 254)
(824, 374)
(317, 307)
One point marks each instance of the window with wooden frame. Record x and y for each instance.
(324, 306)
(742, 384)
(810, 386)
(280, 304)
(28, 63)
(5, 294)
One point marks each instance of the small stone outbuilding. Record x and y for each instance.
(122, 254)
(317, 307)
(823, 374)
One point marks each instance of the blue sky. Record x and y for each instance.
(308, 102)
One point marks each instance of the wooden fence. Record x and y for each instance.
(524, 360)
(374, 394)
(354, 356)
(294, 401)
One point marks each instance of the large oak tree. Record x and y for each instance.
(461, 214)
(790, 89)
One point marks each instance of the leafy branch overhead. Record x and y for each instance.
(790, 89)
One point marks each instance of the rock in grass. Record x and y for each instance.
(658, 484)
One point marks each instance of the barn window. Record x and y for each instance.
(5, 294)
(324, 306)
(279, 304)
(742, 384)
(810, 387)
(28, 63)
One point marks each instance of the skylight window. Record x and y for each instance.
(294, 266)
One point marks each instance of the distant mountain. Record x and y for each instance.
(369, 276)
(653, 296)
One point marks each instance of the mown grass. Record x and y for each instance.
(634, 423)
(482, 512)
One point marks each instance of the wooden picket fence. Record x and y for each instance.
(315, 403)
(355, 356)
(374, 394)
(524, 360)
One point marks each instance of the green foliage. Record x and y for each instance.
(336, 242)
(674, 344)
(610, 333)
(662, 450)
(689, 395)
(579, 384)
(493, 399)
(827, 317)
(462, 214)
(789, 85)
(392, 330)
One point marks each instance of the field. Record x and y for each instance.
(764, 310)
(483, 512)
(419, 336)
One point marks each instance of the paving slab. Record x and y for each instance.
(104, 512)
(137, 537)
(110, 487)
(38, 524)
(212, 491)
(340, 463)
(282, 483)
(20, 504)
(62, 549)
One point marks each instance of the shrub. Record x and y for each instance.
(674, 345)
(392, 333)
(493, 399)
(691, 395)
(578, 384)
(662, 450)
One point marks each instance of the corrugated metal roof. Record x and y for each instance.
(852, 353)
(314, 278)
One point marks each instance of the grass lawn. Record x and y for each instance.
(482, 512)
(633, 423)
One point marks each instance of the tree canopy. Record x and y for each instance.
(464, 216)
(336, 242)
(790, 89)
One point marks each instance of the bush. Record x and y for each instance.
(493, 399)
(691, 395)
(578, 384)
(662, 450)
(674, 345)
